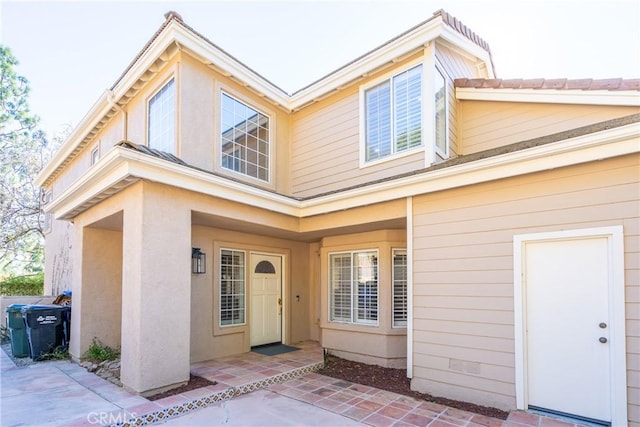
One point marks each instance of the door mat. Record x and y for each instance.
(273, 349)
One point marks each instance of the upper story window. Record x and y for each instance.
(95, 155)
(393, 115)
(440, 99)
(162, 119)
(245, 139)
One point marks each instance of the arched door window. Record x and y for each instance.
(265, 267)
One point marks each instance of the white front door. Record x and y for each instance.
(266, 299)
(569, 303)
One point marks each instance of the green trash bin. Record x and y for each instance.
(17, 331)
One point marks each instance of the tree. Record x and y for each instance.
(24, 150)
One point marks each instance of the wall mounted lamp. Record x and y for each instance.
(198, 261)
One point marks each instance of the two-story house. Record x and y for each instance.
(408, 209)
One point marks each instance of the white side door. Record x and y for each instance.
(570, 323)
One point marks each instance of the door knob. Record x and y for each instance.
(602, 340)
(602, 325)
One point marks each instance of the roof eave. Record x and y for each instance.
(629, 98)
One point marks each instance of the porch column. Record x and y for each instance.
(156, 292)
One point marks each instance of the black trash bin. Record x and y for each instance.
(17, 331)
(47, 328)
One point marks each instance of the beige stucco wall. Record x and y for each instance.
(484, 125)
(381, 344)
(463, 271)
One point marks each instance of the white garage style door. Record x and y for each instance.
(569, 306)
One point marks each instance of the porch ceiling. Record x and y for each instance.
(232, 224)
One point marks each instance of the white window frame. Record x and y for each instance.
(444, 154)
(222, 93)
(363, 116)
(172, 79)
(354, 320)
(219, 288)
(95, 154)
(402, 324)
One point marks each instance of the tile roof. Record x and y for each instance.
(457, 25)
(558, 84)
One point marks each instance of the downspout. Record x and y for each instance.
(409, 287)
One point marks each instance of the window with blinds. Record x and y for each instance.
(393, 115)
(399, 296)
(232, 287)
(353, 284)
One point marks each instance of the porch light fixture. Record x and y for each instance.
(198, 261)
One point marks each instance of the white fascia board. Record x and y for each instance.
(100, 108)
(164, 172)
(102, 176)
(597, 146)
(379, 57)
(209, 53)
(629, 98)
(468, 47)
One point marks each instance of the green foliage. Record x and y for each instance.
(98, 352)
(57, 354)
(23, 285)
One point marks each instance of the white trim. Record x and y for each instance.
(552, 96)
(428, 110)
(94, 150)
(409, 287)
(121, 163)
(438, 68)
(615, 236)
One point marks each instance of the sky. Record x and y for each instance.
(72, 51)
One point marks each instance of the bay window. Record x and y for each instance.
(353, 284)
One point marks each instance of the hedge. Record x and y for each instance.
(23, 285)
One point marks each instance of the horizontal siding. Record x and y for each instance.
(325, 148)
(479, 129)
(463, 270)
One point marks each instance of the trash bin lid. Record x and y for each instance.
(36, 307)
(14, 308)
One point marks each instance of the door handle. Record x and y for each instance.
(602, 325)
(602, 340)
